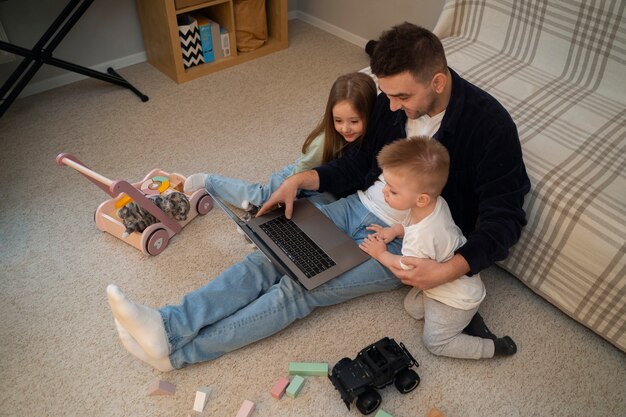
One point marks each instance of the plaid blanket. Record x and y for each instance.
(559, 67)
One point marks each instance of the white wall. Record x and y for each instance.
(361, 20)
(109, 34)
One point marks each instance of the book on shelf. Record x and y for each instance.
(225, 38)
(217, 38)
(206, 36)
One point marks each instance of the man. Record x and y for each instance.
(487, 180)
(485, 192)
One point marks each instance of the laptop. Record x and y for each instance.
(309, 248)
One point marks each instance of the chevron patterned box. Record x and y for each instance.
(190, 41)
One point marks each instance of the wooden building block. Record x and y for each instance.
(246, 409)
(382, 413)
(308, 368)
(278, 390)
(434, 412)
(295, 386)
(202, 394)
(161, 387)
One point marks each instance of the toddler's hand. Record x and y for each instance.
(383, 233)
(373, 246)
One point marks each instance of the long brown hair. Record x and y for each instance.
(359, 90)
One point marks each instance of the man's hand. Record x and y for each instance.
(374, 246)
(428, 273)
(285, 194)
(288, 190)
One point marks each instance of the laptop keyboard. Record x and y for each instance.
(302, 251)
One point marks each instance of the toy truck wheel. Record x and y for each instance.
(406, 380)
(205, 204)
(368, 402)
(157, 242)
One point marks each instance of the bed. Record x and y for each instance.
(559, 67)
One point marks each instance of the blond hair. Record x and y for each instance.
(419, 157)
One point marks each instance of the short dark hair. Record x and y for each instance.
(408, 47)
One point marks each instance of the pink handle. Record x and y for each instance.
(114, 188)
(71, 161)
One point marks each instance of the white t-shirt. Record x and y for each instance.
(437, 237)
(424, 125)
(372, 198)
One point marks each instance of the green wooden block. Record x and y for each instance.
(295, 386)
(308, 368)
(382, 413)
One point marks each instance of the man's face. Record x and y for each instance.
(407, 94)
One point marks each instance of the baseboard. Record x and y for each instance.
(70, 77)
(332, 29)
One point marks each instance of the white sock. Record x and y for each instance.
(194, 183)
(143, 323)
(131, 345)
(414, 303)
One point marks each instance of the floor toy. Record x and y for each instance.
(278, 390)
(434, 412)
(378, 365)
(246, 409)
(382, 413)
(295, 386)
(161, 387)
(308, 368)
(202, 395)
(154, 239)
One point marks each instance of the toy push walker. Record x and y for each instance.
(154, 239)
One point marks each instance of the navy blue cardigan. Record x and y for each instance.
(487, 181)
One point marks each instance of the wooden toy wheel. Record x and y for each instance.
(205, 204)
(157, 242)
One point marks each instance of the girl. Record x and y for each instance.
(347, 113)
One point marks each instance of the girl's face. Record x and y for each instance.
(348, 122)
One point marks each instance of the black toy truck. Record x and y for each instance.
(376, 366)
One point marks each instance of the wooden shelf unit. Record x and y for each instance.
(160, 34)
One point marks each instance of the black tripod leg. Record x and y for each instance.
(139, 94)
(19, 86)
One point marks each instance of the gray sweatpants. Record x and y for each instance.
(443, 326)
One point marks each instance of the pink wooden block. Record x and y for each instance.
(161, 387)
(246, 409)
(278, 390)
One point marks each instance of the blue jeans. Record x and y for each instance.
(235, 191)
(252, 300)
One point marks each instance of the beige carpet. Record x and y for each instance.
(59, 352)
